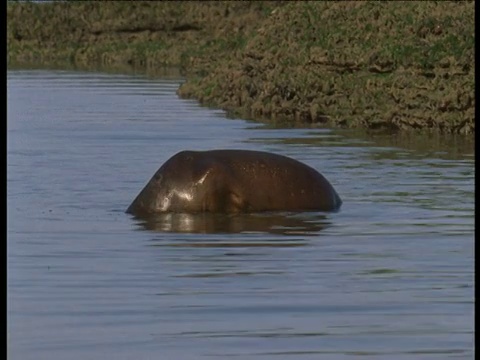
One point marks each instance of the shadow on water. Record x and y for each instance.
(305, 224)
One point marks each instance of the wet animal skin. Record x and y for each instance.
(234, 181)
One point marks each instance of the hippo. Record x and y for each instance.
(234, 181)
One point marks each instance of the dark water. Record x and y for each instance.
(388, 277)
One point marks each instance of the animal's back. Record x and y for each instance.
(270, 181)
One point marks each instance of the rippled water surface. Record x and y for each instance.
(390, 276)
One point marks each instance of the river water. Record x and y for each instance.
(390, 276)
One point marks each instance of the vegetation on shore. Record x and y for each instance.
(374, 65)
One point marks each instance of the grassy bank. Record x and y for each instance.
(374, 65)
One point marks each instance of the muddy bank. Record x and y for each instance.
(371, 65)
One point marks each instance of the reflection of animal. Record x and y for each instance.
(278, 223)
(234, 181)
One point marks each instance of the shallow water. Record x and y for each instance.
(390, 276)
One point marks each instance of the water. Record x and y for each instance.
(390, 276)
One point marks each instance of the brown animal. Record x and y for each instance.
(234, 181)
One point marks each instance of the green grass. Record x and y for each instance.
(358, 62)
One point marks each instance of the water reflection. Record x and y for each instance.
(389, 145)
(305, 224)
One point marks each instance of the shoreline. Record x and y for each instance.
(366, 65)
